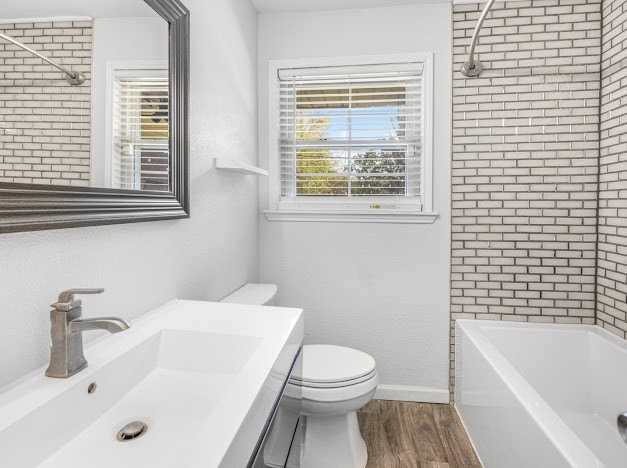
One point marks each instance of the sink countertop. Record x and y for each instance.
(203, 375)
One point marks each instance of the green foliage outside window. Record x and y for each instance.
(318, 172)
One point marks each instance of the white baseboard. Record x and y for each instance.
(408, 393)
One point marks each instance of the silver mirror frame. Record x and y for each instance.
(25, 207)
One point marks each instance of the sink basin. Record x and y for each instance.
(201, 376)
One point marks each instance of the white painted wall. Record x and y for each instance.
(119, 40)
(380, 288)
(144, 265)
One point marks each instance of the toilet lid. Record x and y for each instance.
(333, 364)
(342, 384)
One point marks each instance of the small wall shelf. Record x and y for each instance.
(239, 167)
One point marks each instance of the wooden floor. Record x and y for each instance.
(415, 435)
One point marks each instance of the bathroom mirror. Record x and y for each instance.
(93, 112)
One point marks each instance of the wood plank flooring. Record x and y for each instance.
(402, 434)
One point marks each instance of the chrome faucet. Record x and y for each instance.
(66, 352)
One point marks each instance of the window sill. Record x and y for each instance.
(356, 216)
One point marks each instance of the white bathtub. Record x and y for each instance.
(541, 395)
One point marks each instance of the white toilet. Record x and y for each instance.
(336, 382)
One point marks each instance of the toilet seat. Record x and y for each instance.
(342, 393)
(340, 384)
(335, 374)
(329, 366)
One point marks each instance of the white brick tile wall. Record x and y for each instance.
(612, 247)
(44, 121)
(525, 163)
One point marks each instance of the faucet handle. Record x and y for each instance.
(66, 298)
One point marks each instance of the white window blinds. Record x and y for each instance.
(140, 134)
(351, 131)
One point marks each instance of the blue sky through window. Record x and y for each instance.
(373, 123)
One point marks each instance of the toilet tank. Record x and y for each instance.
(253, 294)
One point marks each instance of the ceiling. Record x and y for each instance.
(272, 6)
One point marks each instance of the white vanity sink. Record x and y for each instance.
(203, 376)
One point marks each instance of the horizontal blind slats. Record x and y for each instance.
(351, 131)
(140, 135)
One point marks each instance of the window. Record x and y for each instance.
(350, 140)
(140, 159)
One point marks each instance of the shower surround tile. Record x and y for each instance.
(44, 121)
(612, 247)
(525, 163)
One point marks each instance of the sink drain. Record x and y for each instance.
(132, 431)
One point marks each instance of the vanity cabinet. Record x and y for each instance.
(279, 445)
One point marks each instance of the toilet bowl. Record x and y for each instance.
(336, 382)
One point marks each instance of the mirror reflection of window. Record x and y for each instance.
(140, 159)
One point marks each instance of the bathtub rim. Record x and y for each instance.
(592, 328)
(566, 441)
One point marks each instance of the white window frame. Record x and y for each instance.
(340, 209)
(136, 69)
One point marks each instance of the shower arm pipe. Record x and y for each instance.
(474, 67)
(74, 78)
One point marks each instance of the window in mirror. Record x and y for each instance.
(140, 131)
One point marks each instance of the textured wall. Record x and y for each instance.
(143, 265)
(45, 121)
(525, 163)
(382, 288)
(612, 261)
